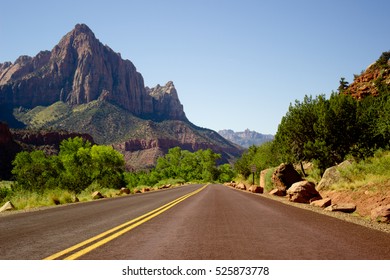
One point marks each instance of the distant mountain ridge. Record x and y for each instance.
(84, 86)
(246, 138)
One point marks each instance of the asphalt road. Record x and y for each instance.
(216, 223)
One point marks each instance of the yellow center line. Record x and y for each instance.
(125, 228)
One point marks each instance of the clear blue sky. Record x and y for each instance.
(235, 64)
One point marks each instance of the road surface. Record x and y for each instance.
(191, 222)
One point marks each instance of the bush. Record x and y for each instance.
(76, 167)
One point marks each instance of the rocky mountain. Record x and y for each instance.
(245, 138)
(14, 141)
(80, 69)
(8, 149)
(370, 81)
(83, 86)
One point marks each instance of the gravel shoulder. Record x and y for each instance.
(352, 218)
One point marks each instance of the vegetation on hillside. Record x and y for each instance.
(326, 131)
(183, 166)
(77, 166)
(81, 168)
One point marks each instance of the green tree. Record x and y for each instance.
(243, 164)
(343, 85)
(107, 166)
(225, 173)
(35, 171)
(182, 164)
(296, 129)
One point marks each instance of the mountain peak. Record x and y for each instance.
(80, 38)
(80, 69)
(245, 138)
(82, 28)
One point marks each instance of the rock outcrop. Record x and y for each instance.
(369, 81)
(381, 214)
(8, 150)
(15, 141)
(342, 207)
(44, 138)
(8, 206)
(284, 176)
(322, 203)
(256, 189)
(83, 86)
(303, 192)
(332, 175)
(80, 69)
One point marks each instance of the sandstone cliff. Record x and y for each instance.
(370, 81)
(8, 149)
(80, 69)
(83, 86)
(15, 141)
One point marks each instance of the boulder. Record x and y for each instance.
(284, 176)
(256, 189)
(325, 202)
(381, 214)
(97, 195)
(263, 173)
(8, 206)
(303, 192)
(241, 186)
(332, 175)
(144, 190)
(277, 192)
(124, 191)
(342, 207)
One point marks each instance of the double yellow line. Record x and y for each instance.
(88, 245)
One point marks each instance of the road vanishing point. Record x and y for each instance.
(209, 222)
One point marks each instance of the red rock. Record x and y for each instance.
(256, 189)
(241, 186)
(277, 192)
(124, 191)
(80, 69)
(342, 207)
(381, 214)
(302, 192)
(325, 202)
(284, 176)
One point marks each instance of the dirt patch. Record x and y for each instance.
(364, 199)
(352, 218)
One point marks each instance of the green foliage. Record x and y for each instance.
(343, 85)
(263, 157)
(178, 163)
(383, 60)
(226, 173)
(328, 130)
(373, 173)
(107, 166)
(78, 165)
(35, 171)
(182, 166)
(5, 192)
